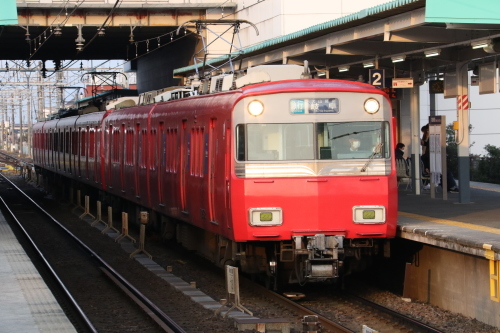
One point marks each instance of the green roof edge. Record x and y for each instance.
(315, 28)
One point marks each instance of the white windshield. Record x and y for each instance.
(309, 141)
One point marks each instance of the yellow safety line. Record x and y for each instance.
(451, 222)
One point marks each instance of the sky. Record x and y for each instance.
(484, 115)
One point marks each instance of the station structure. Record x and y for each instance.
(397, 46)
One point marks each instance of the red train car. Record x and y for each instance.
(287, 178)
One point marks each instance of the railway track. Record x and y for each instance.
(90, 286)
(336, 313)
(355, 312)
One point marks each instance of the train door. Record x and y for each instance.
(110, 155)
(69, 150)
(139, 154)
(74, 150)
(121, 154)
(46, 154)
(83, 153)
(79, 152)
(93, 145)
(51, 143)
(212, 156)
(59, 149)
(152, 171)
(66, 151)
(227, 173)
(173, 167)
(129, 151)
(184, 163)
(47, 144)
(92, 154)
(162, 155)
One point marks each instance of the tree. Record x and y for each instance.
(488, 166)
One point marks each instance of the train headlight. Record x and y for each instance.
(255, 108)
(368, 214)
(265, 217)
(372, 105)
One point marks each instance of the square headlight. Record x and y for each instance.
(368, 214)
(265, 216)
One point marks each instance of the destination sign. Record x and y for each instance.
(314, 105)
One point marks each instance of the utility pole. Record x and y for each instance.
(20, 150)
(30, 125)
(12, 126)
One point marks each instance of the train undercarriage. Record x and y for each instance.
(311, 258)
(303, 259)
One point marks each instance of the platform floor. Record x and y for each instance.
(26, 303)
(452, 225)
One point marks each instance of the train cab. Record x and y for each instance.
(312, 160)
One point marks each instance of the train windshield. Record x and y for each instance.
(312, 141)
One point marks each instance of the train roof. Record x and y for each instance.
(311, 85)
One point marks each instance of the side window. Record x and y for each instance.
(153, 153)
(143, 151)
(61, 142)
(197, 152)
(115, 156)
(240, 143)
(171, 151)
(83, 142)
(163, 148)
(92, 143)
(129, 146)
(67, 149)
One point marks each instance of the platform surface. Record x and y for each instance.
(463, 227)
(26, 303)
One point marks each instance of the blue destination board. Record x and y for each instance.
(314, 105)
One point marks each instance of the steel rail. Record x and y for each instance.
(61, 284)
(405, 320)
(303, 311)
(151, 307)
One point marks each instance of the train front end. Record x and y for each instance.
(313, 188)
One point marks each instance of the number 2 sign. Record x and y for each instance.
(377, 77)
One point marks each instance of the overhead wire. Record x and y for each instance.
(117, 2)
(77, 5)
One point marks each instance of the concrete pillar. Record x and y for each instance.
(410, 105)
(463, 136)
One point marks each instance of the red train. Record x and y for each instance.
(286, 178)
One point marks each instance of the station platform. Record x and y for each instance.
(26, 303)
(470, 228)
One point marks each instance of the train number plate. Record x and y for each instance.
(314, 105)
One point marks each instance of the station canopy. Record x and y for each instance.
(406, 38)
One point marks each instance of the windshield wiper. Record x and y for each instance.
(376, 151)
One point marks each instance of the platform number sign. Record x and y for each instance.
(377, 78)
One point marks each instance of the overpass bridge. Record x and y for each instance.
(51, 30)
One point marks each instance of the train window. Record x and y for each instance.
(275, 142)
(197, 152)
(74, 143)
(83, 142)
(153, 152)
(240, 143)
(352, 140)
(115, 157)
(143, 152)
(308, 141)
(171, 150)
(129, 147)
(55, 137)
(66, 142)
(61, 142)
(162, 145)
(92, 143)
